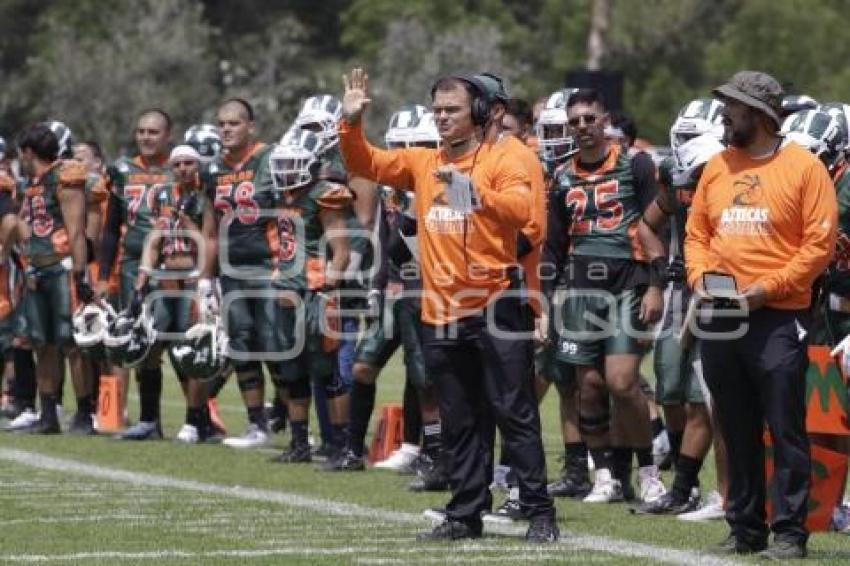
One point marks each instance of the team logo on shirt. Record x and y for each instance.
(745, 217)
(442, 219)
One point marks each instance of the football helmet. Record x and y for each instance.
(841, 112)
(817, 131)
(3, 147)
(412, 126)
(202, 353)
(795, 102)
(129, 338)
(205, 139)
(66, 139)
(691, 157)
(697, 117)
(90, 322)
(320, 114)
(292, 161)
(556, 141)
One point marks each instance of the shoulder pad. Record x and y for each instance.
(72, 174)
(334, 196)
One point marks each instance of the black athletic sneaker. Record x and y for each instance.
(295, 454)
(431, 476)
(572, 483)
(347, 461)
(734, 545)
(43, 426)
(324, 452)
(542, 530)
(783, 549)
(81, 425)
(450, 530)
(671, 503)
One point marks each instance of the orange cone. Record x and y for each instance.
(388, 435)
(109, 403)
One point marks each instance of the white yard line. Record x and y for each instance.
(319, 505)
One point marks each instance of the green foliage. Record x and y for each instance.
(94, 63)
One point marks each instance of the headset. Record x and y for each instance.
(482, 97)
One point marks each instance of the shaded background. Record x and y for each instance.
(95, 63)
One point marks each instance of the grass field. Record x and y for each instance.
(100, 501)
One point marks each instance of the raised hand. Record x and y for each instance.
(356, 99)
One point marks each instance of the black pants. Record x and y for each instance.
(756, 379)
(482, 379)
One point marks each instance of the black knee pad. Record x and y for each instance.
(299, 389)
(594, 425)
(250, 382)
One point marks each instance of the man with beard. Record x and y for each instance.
(763, 226)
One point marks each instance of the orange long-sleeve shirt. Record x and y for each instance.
(535, 229)
(771, 221)
(465, 259)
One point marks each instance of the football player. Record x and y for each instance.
(597, 205)
(239, 183)
(133, 183)
(183, 244)
(54, 209)
(313, 214)
(675, 357)
(395, 287)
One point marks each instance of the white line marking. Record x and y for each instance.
(571, 540)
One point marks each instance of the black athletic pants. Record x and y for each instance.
(482, 379)
(756, 379)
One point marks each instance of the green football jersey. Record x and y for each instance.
(604, 206)
(301, 232)
(135, 182)
(43, 213)
(244, 199)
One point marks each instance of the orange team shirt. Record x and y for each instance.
(535, 229)
(464, 259)
(771, 221)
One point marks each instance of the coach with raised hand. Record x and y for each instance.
(476, 329)
(763, 222)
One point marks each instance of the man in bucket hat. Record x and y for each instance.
(762, 224)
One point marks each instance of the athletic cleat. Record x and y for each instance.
(450, 530)
(347, 461)
(606, 489)
(542, 530)
(42, 426)
(299, 454)
(24, 420)
(660, 448)
(711, 510)
(573, 483)
(435, 514)
(670, 504)
(324, 452)
(401, 460)
(734, 545)
(142, 430)
(784, 550)
(651, 486)
(254, 437)
(82, 424)
(188, 434)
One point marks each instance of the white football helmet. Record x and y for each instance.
(792, 103)
(697, 117)
(841, 112)
(320, 114)
(553, 134)
(129, 338)
(692, 156)
(817, 131)
(292, 160)
(202, 353)
(205, 139)
(412, 126)
(90, 322)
